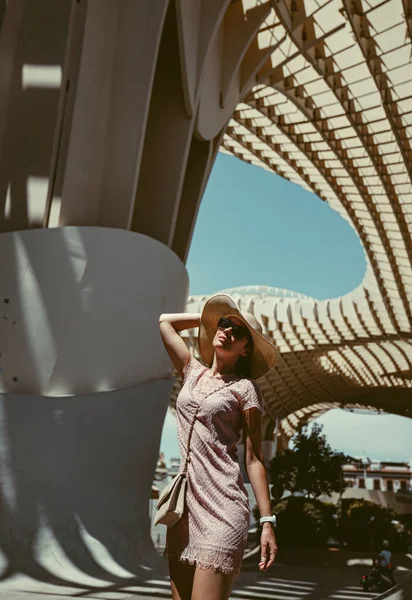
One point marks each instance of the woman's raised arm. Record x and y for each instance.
(169, 325)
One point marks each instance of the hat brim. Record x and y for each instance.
(264, 354)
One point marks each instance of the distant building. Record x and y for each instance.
(384, 482)
(161, 469)
(383, 476)
(166, 472)
(174, 466)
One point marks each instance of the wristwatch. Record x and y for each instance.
(271, 519)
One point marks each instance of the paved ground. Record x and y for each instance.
(282, 583)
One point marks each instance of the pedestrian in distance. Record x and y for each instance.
(206, 546)
(384, 561)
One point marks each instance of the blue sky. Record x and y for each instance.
(256, 228)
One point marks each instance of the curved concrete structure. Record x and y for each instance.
(332, 112)
(126, 104)
(76, 475)
(332, 354)
(81, 307)
(84, 387)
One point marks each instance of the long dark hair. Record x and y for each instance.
(242, 367)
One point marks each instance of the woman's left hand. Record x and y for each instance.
(268, 547)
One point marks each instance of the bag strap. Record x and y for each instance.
(194, 419)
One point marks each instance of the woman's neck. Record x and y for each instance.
(222, 367)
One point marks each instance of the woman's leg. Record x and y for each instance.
(181, 579)
(209, 585)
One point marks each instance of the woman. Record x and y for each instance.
(205, 548)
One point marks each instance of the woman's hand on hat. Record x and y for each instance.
(268, 547)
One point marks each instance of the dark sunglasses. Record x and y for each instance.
(238, 331)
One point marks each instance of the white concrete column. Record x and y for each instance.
(116, 73)
(33, 39)
(84, 388)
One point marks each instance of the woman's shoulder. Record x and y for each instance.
(192, 368)
(248, 393)
(247, 384)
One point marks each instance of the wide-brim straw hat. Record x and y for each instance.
(264, 354)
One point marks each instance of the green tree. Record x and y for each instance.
(311, 467)
(282, 473)
(365, 524)
(302, 522)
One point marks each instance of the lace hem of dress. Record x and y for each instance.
(219, 561)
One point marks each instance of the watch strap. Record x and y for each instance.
(271, 519)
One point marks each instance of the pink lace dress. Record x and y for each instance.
(213, 530)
